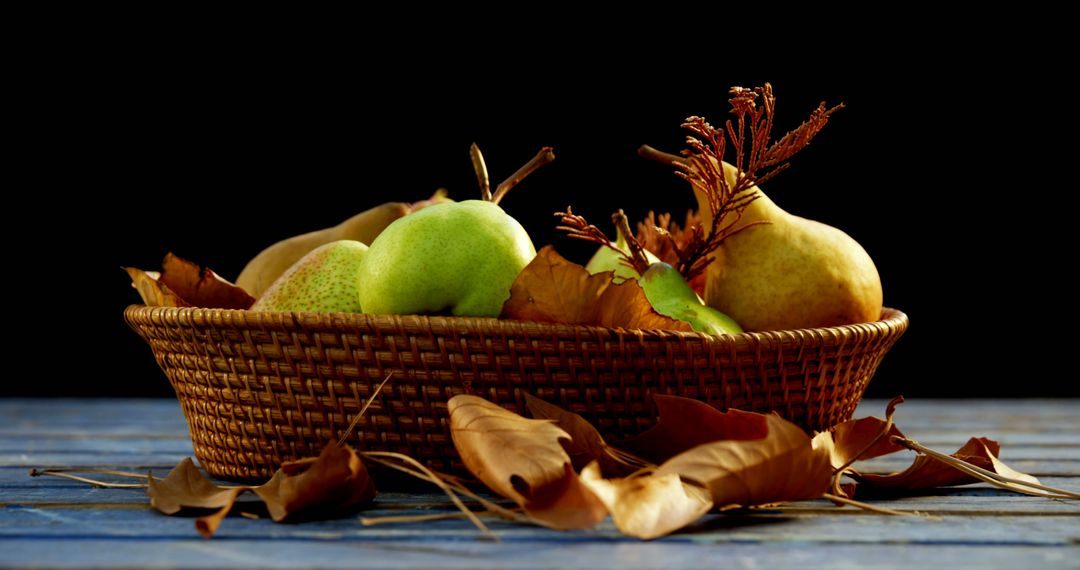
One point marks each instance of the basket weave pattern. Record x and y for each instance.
(260, 388)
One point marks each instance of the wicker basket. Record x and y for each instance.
(262, 388)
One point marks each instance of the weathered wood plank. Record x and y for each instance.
(975, 499)
(56, 523)
(479, 555)
(767, 527)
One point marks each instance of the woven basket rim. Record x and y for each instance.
(891, 321)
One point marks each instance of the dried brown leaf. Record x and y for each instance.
(201, 287)
(926, 472)
(785, 465)
(554, 290)
(586, 444)
(523, 460)
(865, 438)
(625, 305)
(153, 292)
(648, 506)
(684, 423)
(185, 487)
(334, 485)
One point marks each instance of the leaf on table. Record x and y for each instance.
(185, 487)
(554, 290)
(201, 287)
(334, 485)
(926, 472)
(522, 459)
(684, 423)
(865, 438)
(153, 292)
(648, 506)
(585, 444)
(785, 465)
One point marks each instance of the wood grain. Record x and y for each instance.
(53, 522)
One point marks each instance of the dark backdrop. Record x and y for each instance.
(214, 154)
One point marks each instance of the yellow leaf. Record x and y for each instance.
(648, 506)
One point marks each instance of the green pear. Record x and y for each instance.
(324, 280)
(457, 257)
(672, 296)
(607, 259)
(664, 287)
(788, 272)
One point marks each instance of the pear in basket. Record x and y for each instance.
(457, 257)
(322, 281)
(791, 273)
(766, 268)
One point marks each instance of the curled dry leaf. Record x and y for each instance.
(585, 444)
(865, 438)
(648, 506)
(523, 460)
(334, 484)
(554, 290)
(153, 292)
(685, 423)
(185, 487)
(926, 472)
(201, 287)
(785, 465)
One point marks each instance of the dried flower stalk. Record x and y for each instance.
(755, 161)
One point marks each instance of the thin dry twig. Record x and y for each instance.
(544, 156)
(1000, 481)
(430, 476)
(356, 419)
(868, 507)
(67, 473)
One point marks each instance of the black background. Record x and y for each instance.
(213, 152)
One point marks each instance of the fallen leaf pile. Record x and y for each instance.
(695, 459)
(564, 475)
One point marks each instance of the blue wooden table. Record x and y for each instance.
(48, 522)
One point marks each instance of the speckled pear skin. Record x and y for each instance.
(459, 257)
(790, 273)
(324, 280)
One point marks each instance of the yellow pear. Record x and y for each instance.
(273, 261)
(788, 272)
(364, 227)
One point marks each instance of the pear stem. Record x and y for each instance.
(481, 172)
(646, 151)
(543, 157)
(637, 258)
